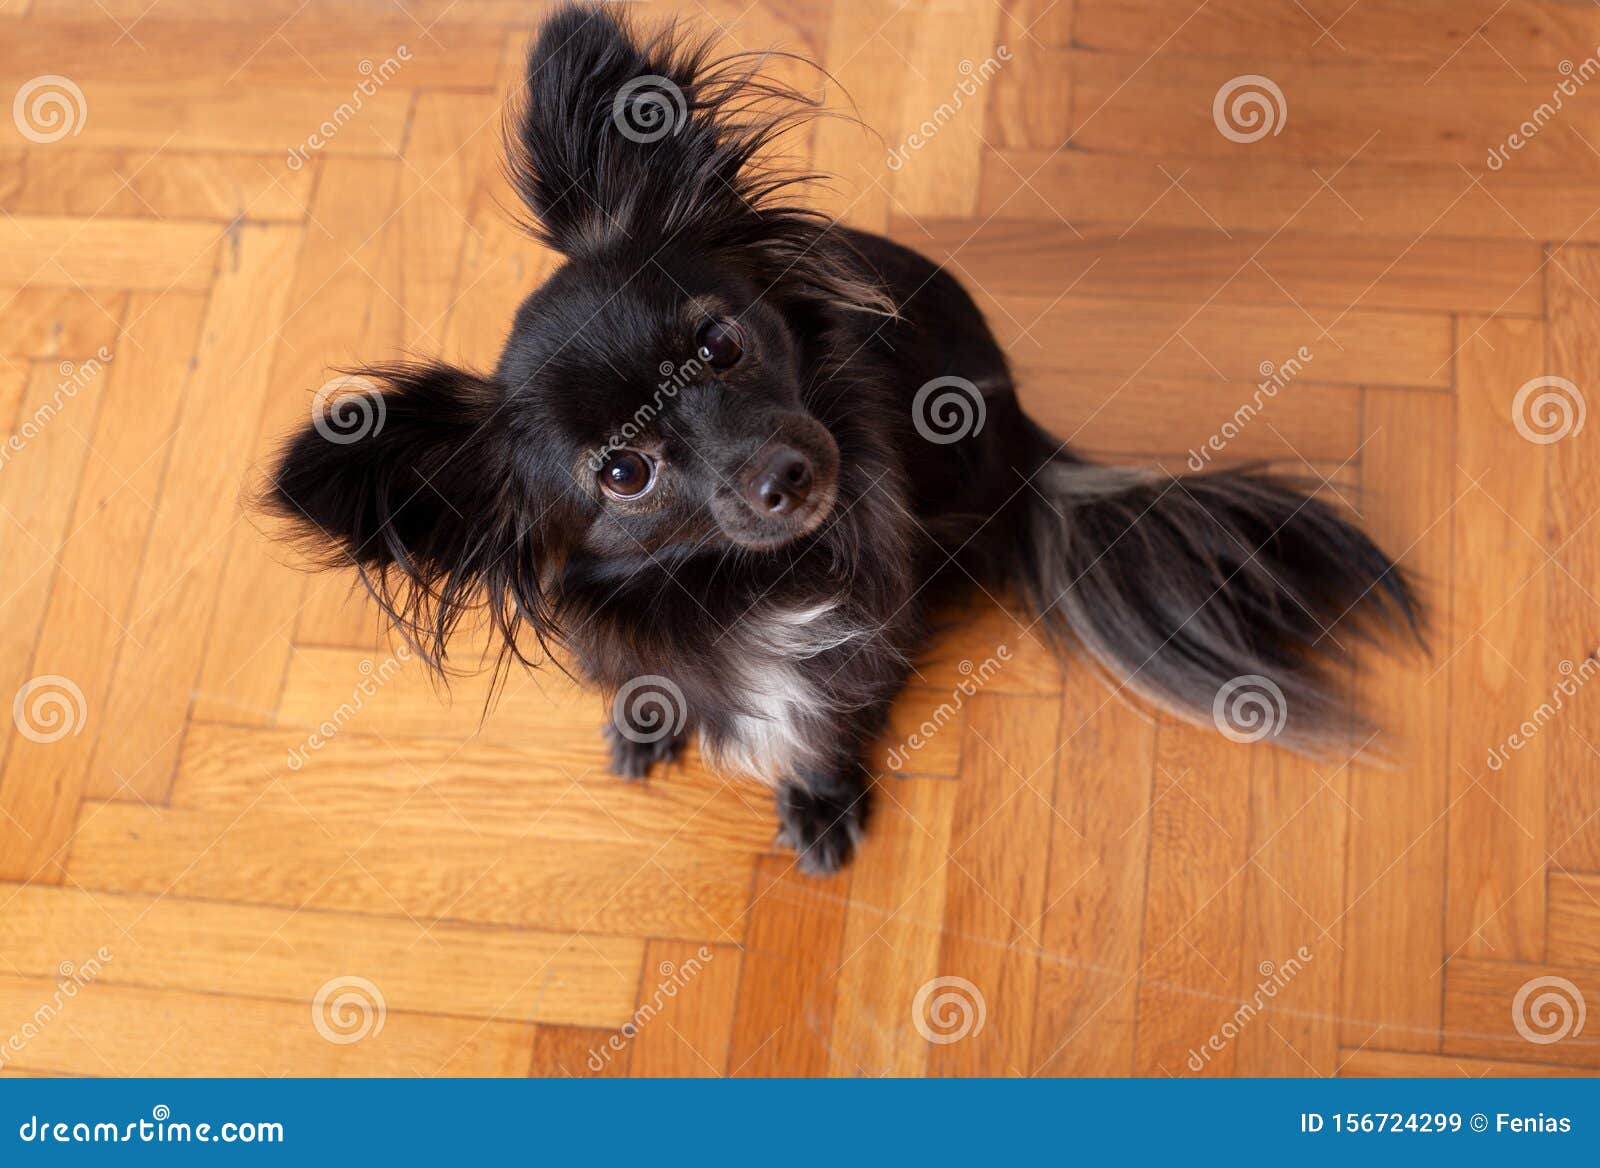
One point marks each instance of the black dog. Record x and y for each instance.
(730, 444)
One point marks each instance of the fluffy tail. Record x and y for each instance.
(1224, 597)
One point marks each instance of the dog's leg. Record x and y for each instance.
(821, 816)
(632, 759)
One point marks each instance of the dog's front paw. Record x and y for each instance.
(632, 759)
(822, 830)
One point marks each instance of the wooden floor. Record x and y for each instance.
(240, 833)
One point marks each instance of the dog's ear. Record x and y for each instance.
(405, 474)
(621, 139)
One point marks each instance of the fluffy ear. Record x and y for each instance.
(404, 474)
(622, 139)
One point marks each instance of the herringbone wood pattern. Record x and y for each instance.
(254, 797)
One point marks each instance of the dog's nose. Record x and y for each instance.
(780, 483)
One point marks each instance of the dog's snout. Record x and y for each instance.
(780, 483)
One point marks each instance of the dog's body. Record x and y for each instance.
(733, 451)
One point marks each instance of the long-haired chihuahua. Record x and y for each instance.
(732, 449)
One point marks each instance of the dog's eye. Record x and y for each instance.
(627, 474)
(720, 342)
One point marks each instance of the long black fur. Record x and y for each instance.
(782, 639)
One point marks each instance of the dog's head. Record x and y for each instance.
(651, 400)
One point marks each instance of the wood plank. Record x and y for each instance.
(201, 116)
(248, 645)
(256, 53)
(1472, 35)
(1294, 895)
(684, 1019)
(66, 252)
(1485, 1018)
(1095, 888)
(1574, 921)
(1571, 500)
(508, 790)
(1189, 980)
(1498, 668)
(1252, 192)
(159, 184)
(1030, 101)
(952, 58)
(261, 858)
(122, 1031)
(52, 324)
(851, 154)
(891, 933)
(1194, 264)
(1279, 415)
(1393, 916)
(452, 136)
(99, 562)
(1337, 109)
(233, 950)
(160, 659)
(995, 890)
(788, 983)
(1218, 341)
(1386, 1064)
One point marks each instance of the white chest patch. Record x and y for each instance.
(786, 724)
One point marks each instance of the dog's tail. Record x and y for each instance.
(1224, 597)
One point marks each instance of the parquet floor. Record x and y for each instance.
(254, 840)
